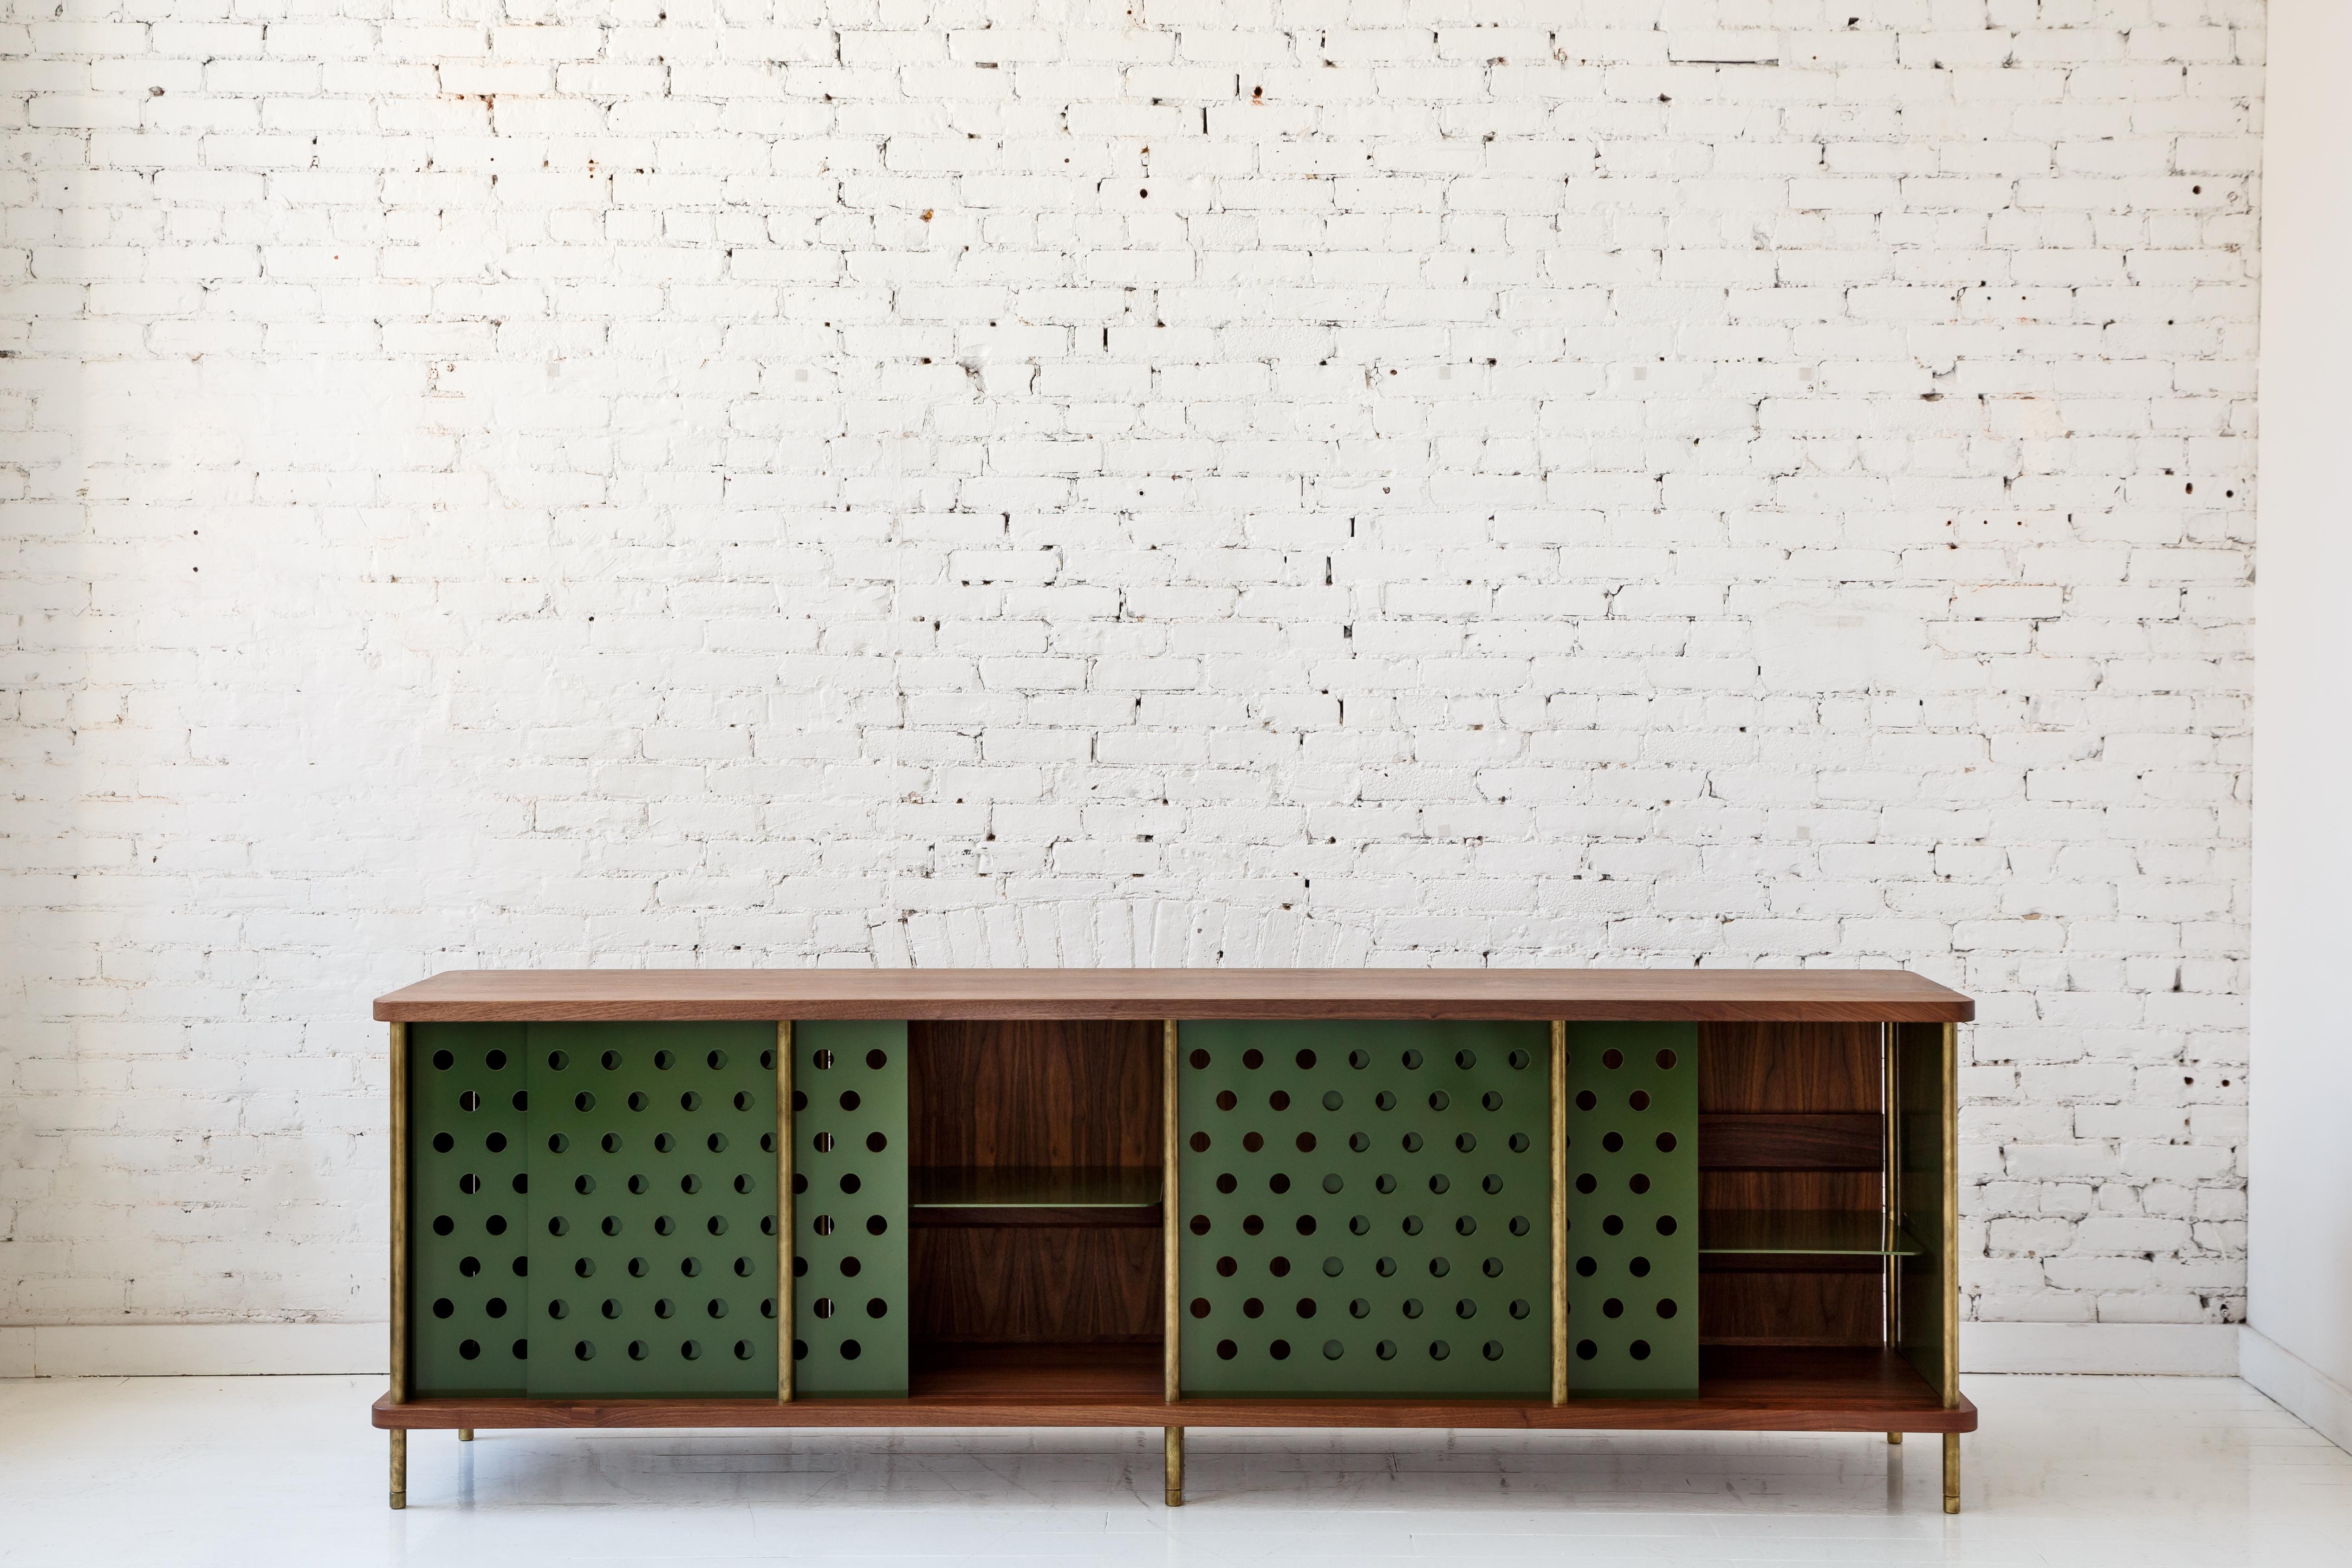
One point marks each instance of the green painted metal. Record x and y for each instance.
(653, 1186)
(850, 1303)
(1365, 1208)
(1632, 1171)
(467, 1215)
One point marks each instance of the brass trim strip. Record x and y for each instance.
(1168, 1215)
(399, 1239)
(1171, 1442)
(784, 1141)
(1951, 1112)
(1558, 1212)
(399, 1457)
(1893, 1185)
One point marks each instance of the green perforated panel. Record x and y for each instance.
(850, 1208)
(1632, 1165)
(1365, 1208)
(653, 1217)
(467, 1213)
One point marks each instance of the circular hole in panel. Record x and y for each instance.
(559, 1310)
(1665, 1062)
(612, 1060)
(1491, 1185)
(743, 1183)
(1520, 1224)
(583, 1184)
(1612, 1059)
(1521, 1308)
(1665, 1142)
(1639, 1350)
(1613, 1308)
(1333, 1268)
(1612, 1141)
(691, 1350)
(1466, 1225)
(1412, 1060)
(1252, 1308)
(1638, 1182)
(584, 1101)
(1199, 1306)
(1518, 1060)
(522, 1182)
(1359, 1059)
(1227, 1099)
(821, 1060)
(1306, 1061)
(611, 1143)
(877, 1058)
(1587, 1183)
(1385, 1267)
(1228, 1267)
(1253, 1058)
(637, 1350)
(1360, 1308)
(851, 1268)
(1226, 1183)
(799, 1183)
(1519, 1142)
(444, 1061)
(1360, 1224)
(849, 1099)
(1227, 1349)
(665, 1308)
(1587, 1100)
(1412, 1225)
(1333, 1350)
(876, 1225)
(663, 1224)
(664, 1143)
(1439, 1268)
(639, 1185)
(1465, 1142)
(767, 1225)
(1639, 1100)
(1198, 1225)
(718, 1226)
(742, 1100)
(1586, 1350)
(1440, 1100)
(585, 1349)
(471, 1348)
(1360, 1142)
(1385, 1350)
(800, 1350)
(1413, 1142)
(1200, 1059)
(875, 1143)
(1491, 1100)
(469, 1267)
(1441, 1182)
(1333, 1099)
(1306, 1142)
(1466, 1308)
(1307, 1305)
(690, 1184)
(691, 1267)
(639, 1099)
(690, 1100)
(742, 1350)
(1278, 1268)
(1200, 1142)
(663, 1060)
(718, 1060)
(1384, 1183)
(637, 1267)
(443, 1307)
(583, 1267)
(1278, 1182)
(877, 1307)
(1465, 1060)
(1251, 1141)
(768, 1307)
(1492, 1349)
(1279, 1100)
(1639, 1267)
(768, 1062)
(1252, 1225)
(469, 1101)
(559, 1225)
(611, 1224)
(1279, 1350)
(1613, 1224)
(849, 1182)
(559, 1061)
(1492, 1269)
(1585, 1267)
(443, 1144)
(496, 1225)
(1666, 1224)
(1412, 1307)
(470, 1183)
(822, 1307)
(1439, 1349)
(443, 1224)
(742, 1268)
(1666, 1308)
(612, 1308)
(1384, 1100)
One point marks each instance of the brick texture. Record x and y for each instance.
(1655, 482)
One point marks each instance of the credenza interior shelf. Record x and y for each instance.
(1189, 1203)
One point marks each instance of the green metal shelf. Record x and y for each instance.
(1815, 1232)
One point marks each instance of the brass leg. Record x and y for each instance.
(1895, 1437)
(464, 1434)
(1952, 1473)
(1173, 1439)
(399, 1467)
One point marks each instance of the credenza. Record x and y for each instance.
(1560, 1199)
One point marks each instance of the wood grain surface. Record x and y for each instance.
(1069, 1283)
(1741, 1390)
(1856, 995)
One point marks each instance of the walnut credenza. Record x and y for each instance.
(1702, 1200)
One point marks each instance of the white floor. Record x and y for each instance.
(2088, 1472)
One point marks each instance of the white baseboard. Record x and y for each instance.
(192, 1350)
(2309, 1395)
(2170, 1349)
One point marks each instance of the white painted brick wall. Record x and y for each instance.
(1448, 482)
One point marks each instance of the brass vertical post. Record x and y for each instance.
(1170, 1217)
(1172, 1453)
(784, 1211)
(1951, 1113)
(399, 1458)
(464, 1434)
(1890, 1191)
(399, 1248)
(1558, 1212)
(1952, 1473)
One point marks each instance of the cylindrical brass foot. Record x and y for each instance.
(1172, 1440)
(1952, 1473)
(1895, 1437)
(464, 1434)
(399, 1467)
